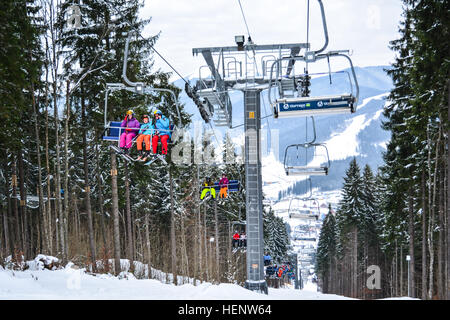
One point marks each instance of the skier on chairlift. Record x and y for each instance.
(243, 240)
(131, 125)
(223, 183)
(162, 131)
(267, 259)
(235, 242)
(208, 186)
(144, 136)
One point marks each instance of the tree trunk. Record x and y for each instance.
(23, 206)
(147, 240)
(18, 236)
(447, 260)
(432, 210)
(440, 271)
(87, 188)
(56, 119)
(59, 210)
(355, 264)
(197, 251)
(447, 219)
(424, 238)
(172, 231)
(395, 272)
(216, 220)
(75, 217)
(100, 200)
(57, 217)
(47, 160)
(7, 215)
(412, 283)
(401, 271)
(66, 170)
(115, 212)
(199, 236)
(5, 226)
(42, 206)
(130, 251)
(183, 249)
(205, 244)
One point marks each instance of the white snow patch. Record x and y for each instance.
(367, 100)
(345, 144)
(74, 284)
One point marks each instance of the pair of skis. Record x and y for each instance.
(128, 158)
(156, 157)
(244, 249)
(205, 199)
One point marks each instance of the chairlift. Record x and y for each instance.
(304, 213)
(305, 198)
(233, 186)
(295, 166)
(242, 226)
(321, 169)
(289, 105)
(113, 128)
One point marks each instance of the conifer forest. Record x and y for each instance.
(65, 193)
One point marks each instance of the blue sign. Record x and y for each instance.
(304, 105)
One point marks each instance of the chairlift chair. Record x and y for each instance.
(242, 226)
(113, 130)
(287, 105)
(295, 169)
(233, 186)
(308, 197)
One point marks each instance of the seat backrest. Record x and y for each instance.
(113, 132)
(233, 186)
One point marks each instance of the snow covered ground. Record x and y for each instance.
(74, 284)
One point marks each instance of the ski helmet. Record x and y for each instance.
(130, 112)
(157, 112)
(145, 116)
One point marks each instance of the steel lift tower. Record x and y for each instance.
(249, 68)
(237, 68)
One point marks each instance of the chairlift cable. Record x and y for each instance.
(307, 29)
(306, 138)
(245, 20)
(248, 32)
(262, 118)
(153, 48)
(167, 62)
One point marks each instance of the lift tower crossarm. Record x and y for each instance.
(261, 47)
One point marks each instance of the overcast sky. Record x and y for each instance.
(364, 26)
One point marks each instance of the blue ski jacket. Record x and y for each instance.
(162, 127)
(147, 128)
